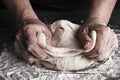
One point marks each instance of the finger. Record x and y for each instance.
(37, 51)
(32, 59)
(91, 54)
(102, 49)
(33, 47)
(88, 42)
(45, 30)
(48, 35)
(20, 49)
(85, 39)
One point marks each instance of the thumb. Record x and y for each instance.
(86, 40)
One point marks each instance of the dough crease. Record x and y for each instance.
(66, 54)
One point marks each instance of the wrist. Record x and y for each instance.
(29, 21)
(95, 20)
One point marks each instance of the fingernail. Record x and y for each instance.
(87, 46)
(43, 56)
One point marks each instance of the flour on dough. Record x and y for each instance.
(66, 54)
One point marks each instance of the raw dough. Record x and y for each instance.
(66, 54)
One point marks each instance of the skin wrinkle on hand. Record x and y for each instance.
(64, 50)
(64, 57)
(17, 7)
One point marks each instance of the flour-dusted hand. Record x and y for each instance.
(26, 41)
(106, 42)
(97, 20)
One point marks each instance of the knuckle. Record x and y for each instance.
(31, 60)
(104, 28)
(30, 48)
(28, 28)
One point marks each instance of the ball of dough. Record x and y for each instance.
(67, 53)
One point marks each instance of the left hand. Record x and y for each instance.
(106, 42)
(26, 43)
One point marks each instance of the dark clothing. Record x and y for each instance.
(61, 4)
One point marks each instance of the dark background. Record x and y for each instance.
(8, 27)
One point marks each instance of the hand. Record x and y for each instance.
(26, 42)
(106, 42)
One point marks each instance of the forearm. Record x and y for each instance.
(21, 9)
(101, 10)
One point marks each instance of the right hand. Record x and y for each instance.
(26, 43)
(106, 42)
